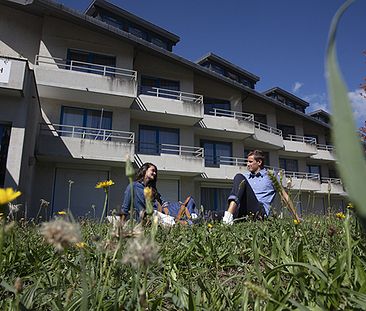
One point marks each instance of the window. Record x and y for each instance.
(333, 173)
(262, 118)
(314, 169)
(112, 21)
(216, 152)
(217, 69)
(214, 199)
(137, 32)
(246, 82)
(152, 140)
(290, 165)
(212, 103)
(90, 62)
(82, 118)
(159, 42)
(4, 146)
(149, 83)
(286, 130)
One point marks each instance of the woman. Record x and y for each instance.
(147, 176)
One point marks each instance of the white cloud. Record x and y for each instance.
(358, 103)
(316, 102)
(297, 86)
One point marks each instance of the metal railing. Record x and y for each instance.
(302, 175)
(172, 94)
(88, 133)
(336, 181)
(325, 147)
(86, 67)
(267, 128)
(232, 114)
(157, 149)
(301, 139)
(232, 161)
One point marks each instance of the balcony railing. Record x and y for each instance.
(325, 147)
(267, 128)
(88, 133)
(301, 139)
(336, 181)
(232, 161)
(157, 149)
(232, 114)
(302, 175)
(172, 94)
(86, 67)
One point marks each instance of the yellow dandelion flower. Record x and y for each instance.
(61, 213)
(80, 245)
(209, 226)
(7, 195)
(104, 184)
(350, 205)
(297, 222)
(148, 193)
(340, 215)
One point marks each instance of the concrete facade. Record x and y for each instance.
(45, 154)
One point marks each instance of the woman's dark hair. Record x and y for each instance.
(142, 171)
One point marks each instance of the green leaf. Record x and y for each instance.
(347, 143)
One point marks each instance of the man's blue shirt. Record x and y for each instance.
(262, 187)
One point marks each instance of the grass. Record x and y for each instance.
(271, 265)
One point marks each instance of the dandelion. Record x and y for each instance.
(61, 213)
(43, 203)
(297, 222)
(289, 183)
(140, 252)
(350, 206)
(104, 184)
(130, 171)
(61, 233)
(340, 215)
(80, 245)
(209, 226)
(14, 208)
(7, 195)
(148, 193)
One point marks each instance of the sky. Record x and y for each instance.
(281, 41)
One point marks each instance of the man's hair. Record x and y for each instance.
(142, 171)
(258, 155)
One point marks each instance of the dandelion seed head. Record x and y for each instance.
(140, 252)
(60, 233)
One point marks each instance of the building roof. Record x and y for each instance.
(278, 90)
(213, 57)
(320, 112)
(49, 7)
(130, 17)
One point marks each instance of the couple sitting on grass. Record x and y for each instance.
(251, 194)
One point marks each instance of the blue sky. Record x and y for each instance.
(281, 41)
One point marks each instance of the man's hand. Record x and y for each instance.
(228, 218)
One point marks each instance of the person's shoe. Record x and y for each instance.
(228, 218)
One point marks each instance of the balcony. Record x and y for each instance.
(221, 123)
(296, 145)
(266, 137)
(85, 82)
(324, 152)
(302, 181)
(170, 106)
(12, 73)
(173, 159)
(60, 142)
(225, 168)
(332, 186)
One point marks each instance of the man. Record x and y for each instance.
(252, 193)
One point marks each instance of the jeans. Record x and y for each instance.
(244, 196)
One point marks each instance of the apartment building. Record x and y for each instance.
(82, 92)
